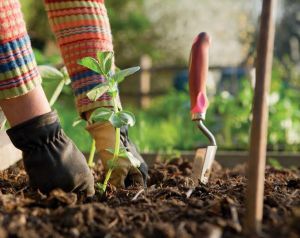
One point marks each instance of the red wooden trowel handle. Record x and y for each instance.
(198, 71)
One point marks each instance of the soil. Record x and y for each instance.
(167, 208)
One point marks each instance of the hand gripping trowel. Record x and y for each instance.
(198, 71)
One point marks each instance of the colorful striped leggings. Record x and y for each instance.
(81, 28)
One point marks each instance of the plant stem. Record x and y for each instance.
(92, 154)
(116, 151)
(2, 126)
(57, 92)
(114, 160)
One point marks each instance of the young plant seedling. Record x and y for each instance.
(103, 65)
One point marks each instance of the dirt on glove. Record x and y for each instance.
(167, 208)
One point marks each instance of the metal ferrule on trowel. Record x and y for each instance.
(198, 71)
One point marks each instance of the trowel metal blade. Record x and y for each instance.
(203, 161)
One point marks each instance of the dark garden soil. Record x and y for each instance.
(167, 208)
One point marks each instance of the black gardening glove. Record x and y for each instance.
(132, 148)
(51, 159)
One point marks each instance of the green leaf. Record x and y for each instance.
(102, 55)
(110, 150)
(3, 124)
(57, 92)
(77, 122)
(100, 187)
(122, 74)
(127, 117)
(116, 121)
(91, 64)
(64, 71)
(67, 79)
(101, 114)
(113, 90)
(98, 91)
(2, 120)
(108, 63)
(105, 61)
(111, 164)
(50, 74)
(112, 86)
(123, 153)
(122, 118)
(134, 161)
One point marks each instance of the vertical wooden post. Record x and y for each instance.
(145, 81)
(259, 128)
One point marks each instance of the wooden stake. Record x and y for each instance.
(259, 128)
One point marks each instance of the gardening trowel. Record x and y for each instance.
(198, 71)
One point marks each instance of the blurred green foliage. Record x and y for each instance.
(284, 123)
(131, 30)
(275, 163)
(166, 125)
(67, 113)
(37, 22)
(41, 59)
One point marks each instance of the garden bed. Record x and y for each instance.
(168, 208)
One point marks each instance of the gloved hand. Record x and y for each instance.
(125, 173)
(50, 158)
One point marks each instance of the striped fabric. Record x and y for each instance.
(18, 71)
(81, 28)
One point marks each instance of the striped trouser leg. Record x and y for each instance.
(82, 29)
(18, 71)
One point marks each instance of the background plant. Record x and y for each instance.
(54, 81)
(166, 125)
(144, 31)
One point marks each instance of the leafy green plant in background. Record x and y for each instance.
(166, 125)
(56, 84)
(284, 123)
(103, 65)
(230, 116)
(275, 163)
(173, 130)
(42, 59)
(52, 75)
